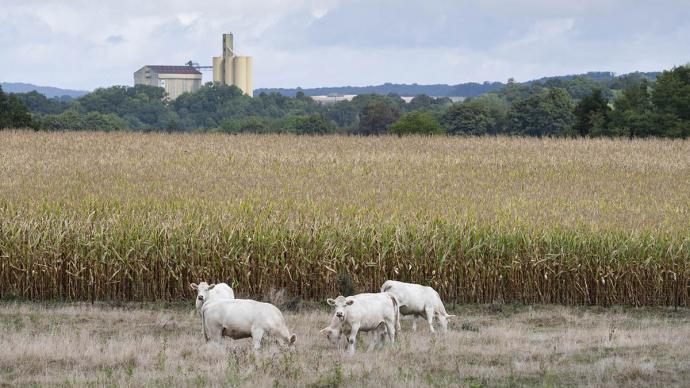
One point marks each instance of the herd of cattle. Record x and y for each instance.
(224, 316)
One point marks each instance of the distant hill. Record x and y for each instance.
(597, 76)
(48, 91)
(470, 89)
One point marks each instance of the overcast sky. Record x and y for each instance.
(84, 44)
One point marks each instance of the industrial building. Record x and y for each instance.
(174, 79)
(233, 70)
(228, 69)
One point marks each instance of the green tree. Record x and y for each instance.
(69, 120)
(210, 105)
(579, 87)
(671, 98)
(251, 124)
(376, 117)
(13, 114)
(312, 124)
(514, 91)
(478, 116)
(592, 114)
(415, 122)
(37, 103)
(633, 112)
(102, 122)
(548, 112)
(143, 106)
(72, 120)
(344, 113)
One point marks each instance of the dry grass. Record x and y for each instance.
(122, 216)
(130, 345)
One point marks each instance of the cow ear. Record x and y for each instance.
(210, 287)
(350, 301)
(193, 286)
(324, 332)
(330, 301)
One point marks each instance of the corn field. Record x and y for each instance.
(121, 216)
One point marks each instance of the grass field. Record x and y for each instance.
(152, 345)
(96, 216)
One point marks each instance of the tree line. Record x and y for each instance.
(634, 105)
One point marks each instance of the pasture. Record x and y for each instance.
(126, 216)
(156, 345)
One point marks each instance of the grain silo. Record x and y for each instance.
(233, 70)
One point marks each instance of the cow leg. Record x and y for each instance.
(414, 322)
(257, 334)
(375, 338)
(214, 333)
(429, 312)
(381, 335)
(352, 338)
(204, 330)
(390, 328)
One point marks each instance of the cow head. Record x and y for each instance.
(340, 303)
(332, 334)
(202, 290)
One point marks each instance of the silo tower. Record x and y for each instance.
(233, 70)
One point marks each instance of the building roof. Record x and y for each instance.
(160, 69)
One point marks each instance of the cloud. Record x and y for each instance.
(86, 44)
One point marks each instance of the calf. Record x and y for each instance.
(243, 318)
(335, 331)
(419, 301)
(364, 312)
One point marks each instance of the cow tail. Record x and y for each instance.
(396, 308)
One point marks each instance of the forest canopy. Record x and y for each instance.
(592, 105)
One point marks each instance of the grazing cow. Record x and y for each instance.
(335, 331)
(418, 301)
(206, 292)
(243, 318)
(364, 312)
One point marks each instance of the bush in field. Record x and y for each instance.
(416, 122)
(315, 124)
(251, 124)
(74, 121)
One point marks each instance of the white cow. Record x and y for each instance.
(206, 292)
(243, 318)
(418, 301)
(365, 312)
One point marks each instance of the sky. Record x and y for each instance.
(82, 44)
